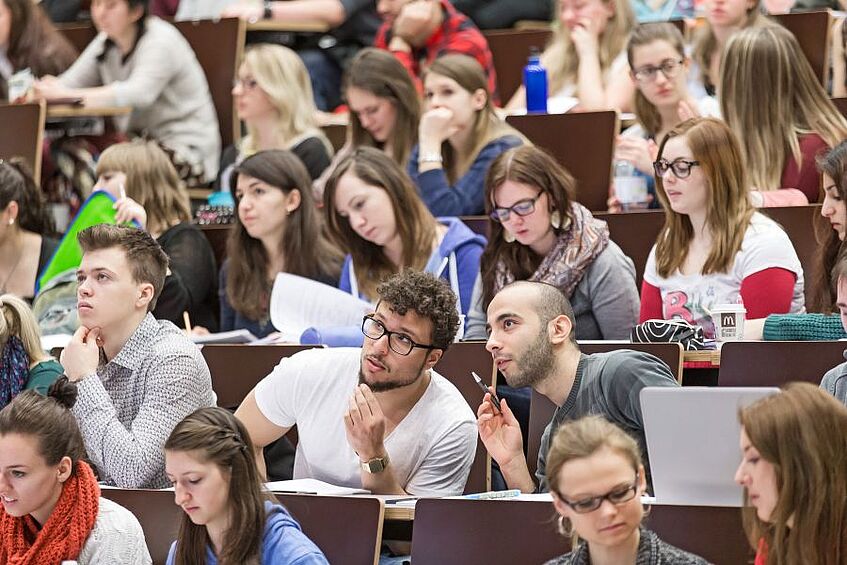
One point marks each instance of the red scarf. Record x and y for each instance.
(22, 542)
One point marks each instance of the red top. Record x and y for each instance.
(806, 178)
(457, 34)
(761, 553)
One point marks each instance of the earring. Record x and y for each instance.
(508, 236)
(556, 219)
(564, 526)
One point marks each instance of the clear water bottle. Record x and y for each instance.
(535, 83)
(630, 187)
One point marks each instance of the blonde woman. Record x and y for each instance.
(586, 59)
(148, 191)
(273, 97)
(23, 364)
(714, 248)
(779, 111)
(458, 138)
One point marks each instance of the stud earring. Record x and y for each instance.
(508, 236)
(556, 219)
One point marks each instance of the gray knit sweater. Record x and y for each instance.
(651, 551)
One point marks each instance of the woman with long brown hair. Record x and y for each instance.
(539, 233)
(794, 473)
(458, 137)
(277, 229)
(714, 247)
(229, 519)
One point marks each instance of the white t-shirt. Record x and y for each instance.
(430, 450)
(690, 297)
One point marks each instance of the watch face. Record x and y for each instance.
(375, 465)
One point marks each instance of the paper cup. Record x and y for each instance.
(631, 190)
(729, 321)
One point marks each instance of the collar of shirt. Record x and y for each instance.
(135, 350)
(452, 21)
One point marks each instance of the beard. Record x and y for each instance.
(534, 364)
(400, 382)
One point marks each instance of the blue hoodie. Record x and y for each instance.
(461, 248)
(284, 543)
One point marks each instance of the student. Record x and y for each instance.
(586, 59)
(659, 70)
(273, 97)
(781, 115)
(793, 470)
(835, 380)
(52, 508)
(646, 11)
(23, 364)
(378, 417)
(147, 64)
(596, 481)
(137, 377)
(28, 40)
(26, 230)
(229, 518)
(417, 32)
(385, 110)
(458, 137)
(139, 175)
(724, 18)
(539, 233)
(533, 344)
(376, 216)
(352, 24)
(277, 230)
(714, 247)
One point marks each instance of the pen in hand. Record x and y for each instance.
(494, 399)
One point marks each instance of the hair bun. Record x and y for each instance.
(63, 391)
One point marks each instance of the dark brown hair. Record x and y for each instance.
(214, 435)
(17, 184)
(534, 167)
(306, 252)
(834, 165)
(147, 261)
(415, 224)
(380, 73)
(49, 420)
(429, 297)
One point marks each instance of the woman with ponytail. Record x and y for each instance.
(52, 509)
(229, 519)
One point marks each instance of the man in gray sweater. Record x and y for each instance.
(532, 342)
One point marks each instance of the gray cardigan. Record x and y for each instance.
(165, 85)
(835, 382)
(605, 302)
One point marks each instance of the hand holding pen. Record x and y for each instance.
(499, 430)
(495, 401)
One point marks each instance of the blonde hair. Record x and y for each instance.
(151, 180)
(487, 126)
(283, 77)
(561, 59)
(801, 431)
(729, 212)
(778, 100)
(16, 319)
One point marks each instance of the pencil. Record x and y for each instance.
(123, 191)
(187, 321)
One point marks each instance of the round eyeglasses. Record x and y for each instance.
(522, 208)
(400, 343)
(681, 168)
(619, 495)
(648, 73)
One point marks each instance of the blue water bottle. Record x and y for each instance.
(535, 83)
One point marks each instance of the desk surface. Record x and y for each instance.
(278, 25)
(712, 356)
(63, 111)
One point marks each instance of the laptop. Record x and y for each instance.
(692, 438)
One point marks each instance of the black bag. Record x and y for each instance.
(664, 331)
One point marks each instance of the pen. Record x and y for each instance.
(494, 494)
(187, 321)
(494, 400)
(122, 190)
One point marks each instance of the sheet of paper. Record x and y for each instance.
(298, 303)
(49, 342)
(234, 336)
(312, 486)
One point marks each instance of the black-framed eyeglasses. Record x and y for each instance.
(400, 343)
(681, 168)
(619, 495)
(648, 73)
(522, 208)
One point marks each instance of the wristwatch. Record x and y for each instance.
(375, 465)
(269, 11)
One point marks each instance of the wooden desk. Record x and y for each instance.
(278, 25)
(774, 363)
(68, 111)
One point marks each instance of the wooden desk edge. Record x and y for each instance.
(275, 25)
(712, 356)
(62, 111)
